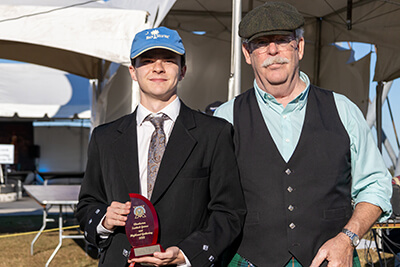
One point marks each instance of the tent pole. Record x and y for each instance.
(235, 75)
(397, 167)
(349, 14)
(93, 84)
(371, 113)
(371, 121)
(238, 46)
(317, 58)
(379, 90)
(96, 117)
(394, 125)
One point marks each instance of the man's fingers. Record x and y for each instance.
(120, 208)
(159, 258)
(120, 221)
(148, 260)
(164, 255)
(318, 259)
(116, 214)
(110, 224)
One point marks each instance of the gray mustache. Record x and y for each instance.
(275, 60)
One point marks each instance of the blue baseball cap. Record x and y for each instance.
(161, 37)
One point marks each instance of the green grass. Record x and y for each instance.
(17, 233)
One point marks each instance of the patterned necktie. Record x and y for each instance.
(156, 151)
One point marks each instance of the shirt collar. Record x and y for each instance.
(172, 111)
(300, 99)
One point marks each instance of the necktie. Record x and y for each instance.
(156, 151)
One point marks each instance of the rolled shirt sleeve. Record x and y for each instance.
(371, 180)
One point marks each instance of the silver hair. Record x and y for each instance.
(299, 33)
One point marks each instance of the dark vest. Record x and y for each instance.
(294, 207)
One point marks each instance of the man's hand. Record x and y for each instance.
(338, 251)
(116, 215)
(172, 255)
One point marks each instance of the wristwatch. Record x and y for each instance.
(355, 240)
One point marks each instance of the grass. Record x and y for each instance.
(17, 233)
(15, 242)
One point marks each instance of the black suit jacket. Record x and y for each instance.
(197, 194)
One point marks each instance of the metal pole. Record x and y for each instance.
(393, 124)
(397, 167)
(235, 73)
(238, 46)
(349, 14)
(317, 58)
(371, 114)
(379, 90)
(1, 175)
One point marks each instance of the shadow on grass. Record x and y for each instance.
(32, 223)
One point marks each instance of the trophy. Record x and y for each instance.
(142, 227)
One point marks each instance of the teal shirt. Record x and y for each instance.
(371, 180)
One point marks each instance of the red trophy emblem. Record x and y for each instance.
(142, 227)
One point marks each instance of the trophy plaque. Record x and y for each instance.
(142, 227)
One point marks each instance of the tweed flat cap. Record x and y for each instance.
(272, 18)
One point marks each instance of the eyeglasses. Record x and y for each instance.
(262, 46)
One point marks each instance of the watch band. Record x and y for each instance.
(355, 240)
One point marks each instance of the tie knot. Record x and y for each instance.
(158, 122)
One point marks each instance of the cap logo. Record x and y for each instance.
(155, 34)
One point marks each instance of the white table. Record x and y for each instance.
(54, 195)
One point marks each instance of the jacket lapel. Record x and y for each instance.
(126, 151)
(179, 147)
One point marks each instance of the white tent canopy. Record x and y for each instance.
(79, 37)
(74, 35)
(24, 94)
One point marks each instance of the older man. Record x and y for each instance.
(304, 154)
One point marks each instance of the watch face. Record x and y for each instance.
(356, 240)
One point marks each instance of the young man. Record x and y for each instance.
(304, 154)
(193, 184)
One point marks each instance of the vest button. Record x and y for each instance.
(288, 171)
(292, 226)
(291, 208)
(290, 189)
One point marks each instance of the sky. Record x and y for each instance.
(362, 50)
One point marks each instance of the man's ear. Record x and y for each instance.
(246, 53)
(183, 72)
(300, 48)
(132, 71)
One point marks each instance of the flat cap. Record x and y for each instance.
(272, 18)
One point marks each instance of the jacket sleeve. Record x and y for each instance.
(92, 204)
